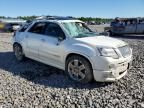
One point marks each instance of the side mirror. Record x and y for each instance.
(60, 38)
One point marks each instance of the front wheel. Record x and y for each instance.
(79, 69)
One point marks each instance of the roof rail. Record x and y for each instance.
(55, 18)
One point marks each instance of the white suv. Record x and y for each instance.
(71, 46)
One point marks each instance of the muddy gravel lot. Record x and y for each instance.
(32, 84)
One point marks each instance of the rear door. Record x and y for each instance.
(131, 27)
(140, 27)
(33, 39)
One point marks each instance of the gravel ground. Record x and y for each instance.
(32, 84)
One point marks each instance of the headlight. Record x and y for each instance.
(108, 52)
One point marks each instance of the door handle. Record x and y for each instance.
(43, 40)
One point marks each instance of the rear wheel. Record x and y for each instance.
(18, 52)
(79, 69)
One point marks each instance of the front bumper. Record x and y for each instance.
(116, 71)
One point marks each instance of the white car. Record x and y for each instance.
(71, 46)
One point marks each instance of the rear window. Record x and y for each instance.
(141, 21)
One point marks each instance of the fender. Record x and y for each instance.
(81, 49)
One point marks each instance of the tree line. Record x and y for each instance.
(98, 20)
(85, 19)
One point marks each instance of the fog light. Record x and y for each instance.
(108, 75)
(111, 66)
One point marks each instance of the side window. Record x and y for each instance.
(141, 21)
(24, 27)
(38, 28)
(54, 30)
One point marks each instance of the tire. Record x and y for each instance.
(18, 52)
(114, 34)
(111, 33)
(79, 69)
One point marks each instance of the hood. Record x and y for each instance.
(102, 41)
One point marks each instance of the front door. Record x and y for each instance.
(51, 50)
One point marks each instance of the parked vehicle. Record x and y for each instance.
(1, 26)
(71, 46)
(15, 26)
(122, 26)
(10, 25)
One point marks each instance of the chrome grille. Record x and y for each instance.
(125, 51)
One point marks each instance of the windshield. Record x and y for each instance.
(78, 29)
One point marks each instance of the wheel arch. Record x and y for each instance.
(16, 43)
(81, 55)
(90, 76)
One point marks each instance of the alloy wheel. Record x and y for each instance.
(76, 70)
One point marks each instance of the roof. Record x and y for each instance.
(57, 19)
(137, 18)
(60, 21)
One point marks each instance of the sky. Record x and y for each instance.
(76, 8)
